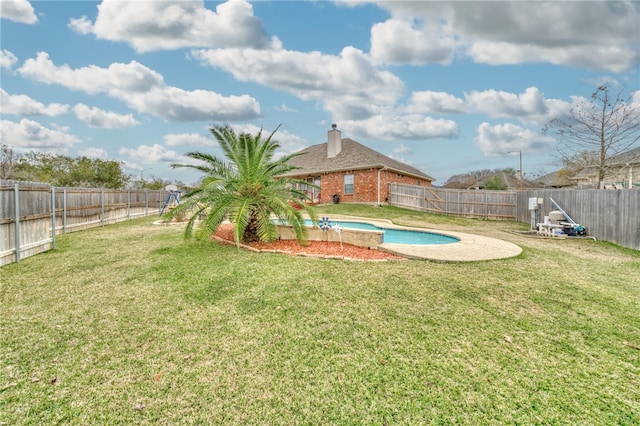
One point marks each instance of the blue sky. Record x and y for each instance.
(447, 87)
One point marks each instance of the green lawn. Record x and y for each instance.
(132, 324)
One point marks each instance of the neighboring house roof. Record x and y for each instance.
(353, 156)
(631, 157)
(556, 179)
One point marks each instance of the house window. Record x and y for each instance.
(348, 184)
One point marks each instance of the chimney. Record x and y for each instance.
(334, 142)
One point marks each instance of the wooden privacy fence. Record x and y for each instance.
(499, 205)
(608, 214)
(28, 221)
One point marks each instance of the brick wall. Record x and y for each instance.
(365, 185)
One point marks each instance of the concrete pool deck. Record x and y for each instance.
(471, 247)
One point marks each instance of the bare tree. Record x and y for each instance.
(7, 160)
(593, 131)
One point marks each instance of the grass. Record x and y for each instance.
(132, 324)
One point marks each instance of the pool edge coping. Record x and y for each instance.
(468, 248)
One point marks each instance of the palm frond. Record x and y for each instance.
(244, 188)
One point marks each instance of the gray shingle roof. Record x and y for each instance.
(555, 179)
(354, 156)
(629, 157)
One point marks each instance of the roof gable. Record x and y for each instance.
(353, 156)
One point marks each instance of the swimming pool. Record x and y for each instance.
(395, 236)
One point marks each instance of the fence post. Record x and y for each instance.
(53, 217)
(64, 210)
(486, 205)
(146, 202)
(16, 208)
(128, 204)
(446, 202)
(102, 207)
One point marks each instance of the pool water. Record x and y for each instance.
(395, 236)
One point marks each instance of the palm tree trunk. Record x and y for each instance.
(250, 234)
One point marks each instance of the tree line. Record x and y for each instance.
(62, 170)
(67, 171)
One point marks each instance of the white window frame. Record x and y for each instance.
(348, 184)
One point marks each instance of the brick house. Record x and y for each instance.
(351, 171)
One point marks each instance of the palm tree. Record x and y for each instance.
(245, 189)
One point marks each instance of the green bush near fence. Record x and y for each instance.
(133, 324)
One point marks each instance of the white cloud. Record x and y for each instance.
(94, 153)
(402, 150)
(18, 11)
(435, 103)
(151, 154)
(413, 42)
(30, 134)
(92, 79)
(189, 139)
(529, 107)
(24, 105)
(285, 108)
(81, 25)
(129, 165)
(348, 85)
(143, 89)
(289, 142)
(412, 127)
(503, 104)
(497, 141)
(606, 58)
(168, 25)
(555, 32)
(513, 32)
(7, 59)
(96, 117)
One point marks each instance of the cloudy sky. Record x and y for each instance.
(448, 87)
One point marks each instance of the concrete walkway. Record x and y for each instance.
(471, 247)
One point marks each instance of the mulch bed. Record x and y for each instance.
(313, 249)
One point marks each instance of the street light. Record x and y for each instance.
(519, 152)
